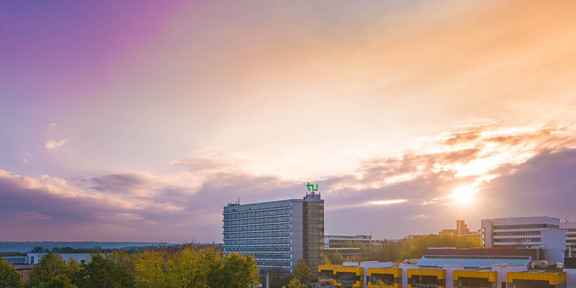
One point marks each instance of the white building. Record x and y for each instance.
(82, 258)
(278, 234)
(541, 232)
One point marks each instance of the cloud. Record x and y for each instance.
(52, 144)
(500, 163)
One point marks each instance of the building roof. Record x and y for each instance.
(473, 261)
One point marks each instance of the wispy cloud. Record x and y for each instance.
(52, 144)
(411, 186)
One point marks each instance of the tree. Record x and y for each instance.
(295, 283)
(102, 272)
(9, 277)
(239, 271)
(50, 266)
(333, 258)
(60, 281)
(302, 271)
(37, 249)
(150, 266)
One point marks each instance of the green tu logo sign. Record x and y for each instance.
(312, 186)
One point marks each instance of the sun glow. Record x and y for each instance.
(463, 195)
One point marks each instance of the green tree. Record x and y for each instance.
(333, 258)
(239, 271)
(50, 266)
(150, 266)
(60, 281)
(9, 277)
(104, 273)
(302, 271)
(295, 283)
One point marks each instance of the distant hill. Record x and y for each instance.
(24, 247)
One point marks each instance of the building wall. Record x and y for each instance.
(516, 232)
(278, 234)
(34, 258)
(554, 244)
(570, 228)
(262, 230)
(297, 232)
(313, 231)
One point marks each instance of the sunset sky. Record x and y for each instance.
(141, 120)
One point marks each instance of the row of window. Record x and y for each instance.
(255, 249)
(254, 214)
(251, 221)
(386, 279)
(426, 281)
(253, 235)
(516, 233)
(257, 206)
(263, 241)
(518, 240)
(315, 210)
(261, 227)
(526, 226)
(273, 263)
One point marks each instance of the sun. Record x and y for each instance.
(463, 195)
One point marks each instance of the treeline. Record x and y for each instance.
(397, 251)
(188, 266)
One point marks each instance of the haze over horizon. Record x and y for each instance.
(138, 121)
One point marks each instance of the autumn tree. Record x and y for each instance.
(238, 271)
(104, 273)
(302, 271)
(295, 283)
(150, 266)
(333, 258)
(50, 266)
(9, 277)
(60, 281)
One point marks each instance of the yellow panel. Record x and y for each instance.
(552, 278)
(358, 270)
(397, 272)
(326, 267)
(441, 274)
(490, 275)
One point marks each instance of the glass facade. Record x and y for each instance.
(277, 233)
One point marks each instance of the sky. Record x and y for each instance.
(141, 120)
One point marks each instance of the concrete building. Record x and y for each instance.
(345, 245)
(357, 274)
(449, 268)
(538, 232)
(82, 258)
(570, 228)
(278, 233)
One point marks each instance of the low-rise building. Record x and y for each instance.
(449, 268)
(541, 232)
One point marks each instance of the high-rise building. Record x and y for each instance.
(278, 234)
